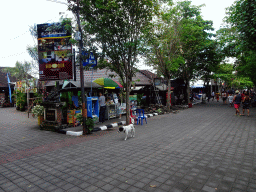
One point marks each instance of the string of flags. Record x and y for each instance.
(19, 35)
(13, 55)
(17, 54)
(28, 31)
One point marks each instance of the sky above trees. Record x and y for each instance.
(17, 19)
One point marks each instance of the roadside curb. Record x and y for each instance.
(100, 128)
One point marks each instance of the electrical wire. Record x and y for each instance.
(57, 2)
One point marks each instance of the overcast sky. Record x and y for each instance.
(16, 17)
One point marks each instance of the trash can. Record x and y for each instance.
(190, 105)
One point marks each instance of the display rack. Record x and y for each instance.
(123, 108)
(111, 111)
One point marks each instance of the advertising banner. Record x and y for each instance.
(54, 52)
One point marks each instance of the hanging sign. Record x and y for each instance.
(91, 62)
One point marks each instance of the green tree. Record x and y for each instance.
(195, 40)
(163, 50)
(225, 73)
(241, 15)
(238, 37)
(21, 71)
(209, 60)
(117, 27)
(246, 65)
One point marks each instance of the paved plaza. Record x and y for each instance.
(204, 148)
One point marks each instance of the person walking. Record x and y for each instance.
(102, 108)
(217, 96)
(237, 101)
(246, 103)
(243, 95)
(213, 94)
(209, 96)
(224, 97)
(230, 99)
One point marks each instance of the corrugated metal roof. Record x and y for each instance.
(140, 78)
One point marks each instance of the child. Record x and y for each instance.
(230, 99)
(217, 96)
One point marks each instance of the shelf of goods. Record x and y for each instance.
(111, 111)
(123, 108)
(71, 117)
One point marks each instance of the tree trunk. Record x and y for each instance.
(127, 100)
(188, 91)
(168, 95)
(203, 101)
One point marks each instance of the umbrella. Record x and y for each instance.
(108, 83)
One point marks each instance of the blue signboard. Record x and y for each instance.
(91, 62)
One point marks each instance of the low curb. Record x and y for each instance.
(100, 128)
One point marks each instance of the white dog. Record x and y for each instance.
(128, 129)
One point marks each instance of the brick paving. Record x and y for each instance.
(205, 148)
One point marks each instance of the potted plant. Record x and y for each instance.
(38, 111)
(21, 100)
(89, 122)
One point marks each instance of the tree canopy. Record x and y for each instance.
(238, 37)
(163, 45)
(21, 70)
(117, 26)
(199, 50)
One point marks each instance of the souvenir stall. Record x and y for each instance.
(111, 106)
(111, 90)
(70, 98)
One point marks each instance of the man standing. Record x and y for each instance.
(237, 101)
(102, 108)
